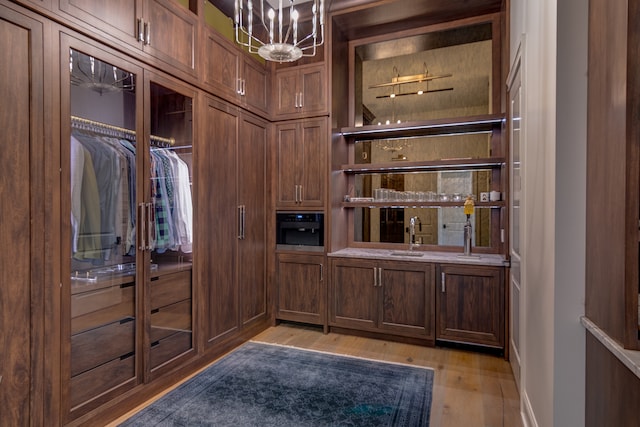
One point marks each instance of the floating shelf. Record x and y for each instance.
(483, 123)
(436, 165)
(409, 204)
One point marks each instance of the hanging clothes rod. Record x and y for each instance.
(87, 124)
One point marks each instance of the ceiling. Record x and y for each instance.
(366, 18)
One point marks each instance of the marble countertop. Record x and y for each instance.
(428, 256)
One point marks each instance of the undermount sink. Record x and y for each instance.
(407, 253)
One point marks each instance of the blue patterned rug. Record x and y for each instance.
(269, 385)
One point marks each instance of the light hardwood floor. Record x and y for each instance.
(470, 389)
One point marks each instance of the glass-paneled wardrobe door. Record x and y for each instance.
(104, 227)
(168, 291)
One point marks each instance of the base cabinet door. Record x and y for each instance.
(390, 297)
(471, 305)
(301, 288)
(406, 302)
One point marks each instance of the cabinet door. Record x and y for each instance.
(289, 171)
(222, 66)
(21, 209)
(301, 289)
(220, 215)
(353, 295)
(287, 93)
(407, 303)
(255, 90)
(471, 305)
(313, 90)
(172, 31)
(116, 17)
(312, 146)
(251, 157)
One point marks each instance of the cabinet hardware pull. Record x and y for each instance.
(442, 277)
(301, 100)
(147, 33)
(239, 222)
(244, 221)
(321, 272)
(140, 30)
(238, 83)
(301, 197)
(143, 224)
(151, 228)
(380, 276)
(243, 87)
(296, 102)
(375, 277)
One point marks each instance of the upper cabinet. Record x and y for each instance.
(301, 149)
(300, 91)
(144, 24)
(234, 75)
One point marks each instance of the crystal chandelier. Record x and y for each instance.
(276, 36)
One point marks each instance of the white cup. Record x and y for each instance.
(494, 196)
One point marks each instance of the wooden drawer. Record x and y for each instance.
(166, 349)
(95, 309)
(101, 379)
(87, 302)
(170, 288)
(167, 320)
(100, 345)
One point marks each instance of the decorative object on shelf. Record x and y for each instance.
(399, 80)
(284, 40)
(86, 71)
(468, 211)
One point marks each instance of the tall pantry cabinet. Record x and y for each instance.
(22, 213)
(234, 145)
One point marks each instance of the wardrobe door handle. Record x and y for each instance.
(239, 86)
(244, 221)
(142, 224)
(380, 276)
(296, 102)
(321, 272)
(301, 100)
(151, 226)
(375, 277)
(243, 87)
(301, 196)
(239, 222)
(442, 275)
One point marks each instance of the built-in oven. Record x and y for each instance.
(300, 231)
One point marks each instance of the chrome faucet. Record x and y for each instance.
(412, 232)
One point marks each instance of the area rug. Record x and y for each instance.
(270, 385)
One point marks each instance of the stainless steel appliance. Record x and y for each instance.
(300, 231)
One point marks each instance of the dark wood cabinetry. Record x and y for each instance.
(161, 28)
(234, 204)
(301, 288)
(383, 296)
(301, 150)
(233, 75)
(300, 91)
(22, 209)
(470, 303)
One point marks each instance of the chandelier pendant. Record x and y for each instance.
(276, 36)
